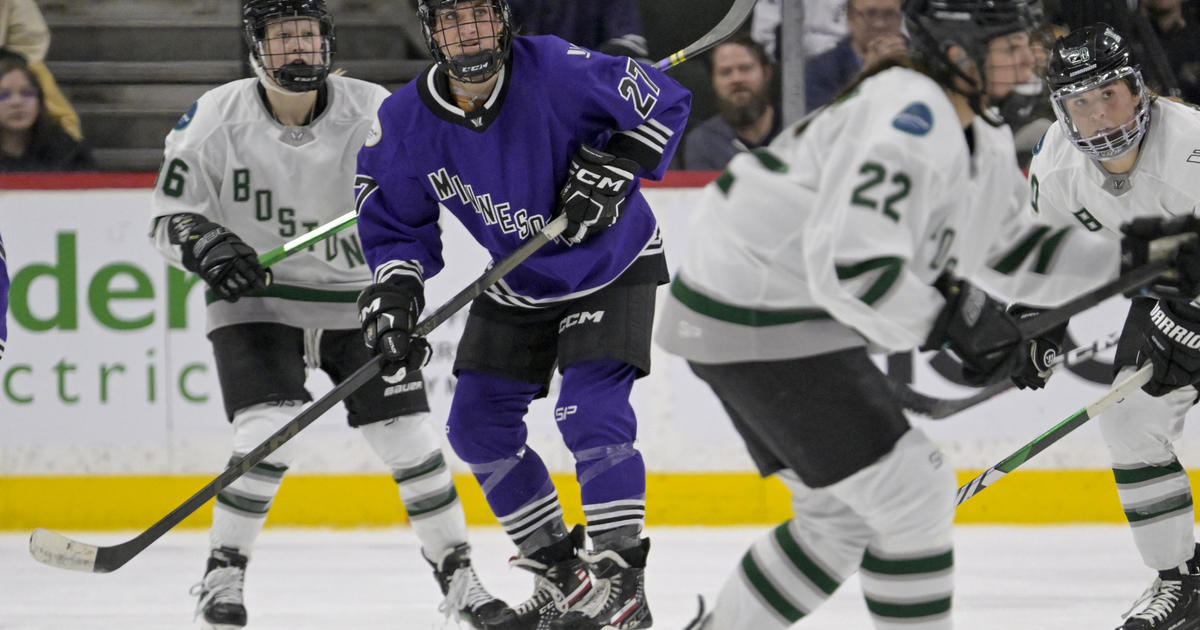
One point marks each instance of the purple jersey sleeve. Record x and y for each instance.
(395, 242)
(3, 297)
(645, 109)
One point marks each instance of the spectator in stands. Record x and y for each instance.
(874, 27)
(613, 27)
(23, 31)
(823, 26)
(741, 78)
(1179, 33)
(29, 139)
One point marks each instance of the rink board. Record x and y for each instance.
(110, 413)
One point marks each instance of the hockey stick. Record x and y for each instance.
(735, 17)
(59, 551)
(733, 20)
(940, 408)
(1056, 433)
(308, 240)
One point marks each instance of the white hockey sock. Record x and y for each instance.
(409, 447)
(241, 508)
(775, 584)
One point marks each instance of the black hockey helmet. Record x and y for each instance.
(1084, 63)
(468, 68)
(936, 25)
(292, 77)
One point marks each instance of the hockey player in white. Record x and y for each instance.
(837, 239)
(253, 163)
(1122, 162)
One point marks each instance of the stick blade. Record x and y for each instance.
(56, 550)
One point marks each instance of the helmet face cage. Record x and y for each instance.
(1111, 142)
(294, 17)
(1083, 65)
(467, 21)
(936, 25)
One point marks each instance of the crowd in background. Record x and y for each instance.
(40, 131)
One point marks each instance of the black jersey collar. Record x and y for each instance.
(434, 88)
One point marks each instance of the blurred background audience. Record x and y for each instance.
(30, 140)
(23, 31)
(741, 73)
(874, 32)
(131, 67)
(613, 27)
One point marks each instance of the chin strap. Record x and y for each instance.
(265, 79)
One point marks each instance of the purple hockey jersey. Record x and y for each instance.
(3, 298)
(499, 168)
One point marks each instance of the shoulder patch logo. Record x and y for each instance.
(1037, 148)
(916, 119)
(186, 119)
(375, 134)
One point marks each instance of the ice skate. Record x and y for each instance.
(1171, 603)
(466, 597)
(620, 603)
(561, 584)
(220, 605)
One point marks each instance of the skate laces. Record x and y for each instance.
(1162, 595)
(608, 587)
(550, 584)
(465, 592)
(222, 585)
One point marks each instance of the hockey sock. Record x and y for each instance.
(487, 429)
(779, 580)
(241, 507)
(408, 445)
(1157, 500)
(906, 591)
(598, 425)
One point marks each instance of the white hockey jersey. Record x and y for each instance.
(231, 161)
(1069, 188)
(831, 238)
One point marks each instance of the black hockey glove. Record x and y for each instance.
(975, 327)
(1037, 355)
(388, 313)
(1169, 338)
(595, 192)
(1138, 248)
(228, 265)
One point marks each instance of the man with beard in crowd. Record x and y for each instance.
(741, 76)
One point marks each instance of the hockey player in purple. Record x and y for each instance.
(3, 298)
(507, 132)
